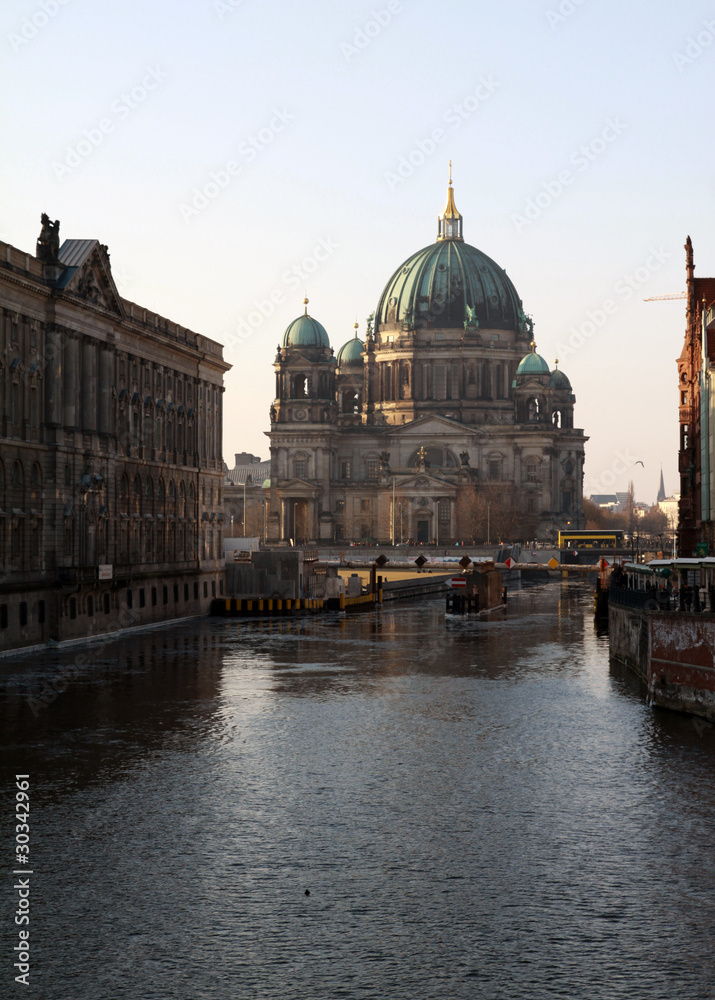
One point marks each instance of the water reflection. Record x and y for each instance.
(477, 809)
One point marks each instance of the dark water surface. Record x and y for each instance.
(477, 810)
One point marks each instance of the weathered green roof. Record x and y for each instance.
(437, 284)
(559, 380)
(305, 332)
(351, 353)
(532, 364)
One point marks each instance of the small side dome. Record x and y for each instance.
(305, 332)
(350, 355)
(533, 364)
(558, 379)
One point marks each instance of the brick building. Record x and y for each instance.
(696, 402)
(110, 452)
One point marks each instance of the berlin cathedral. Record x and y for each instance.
(442, 425)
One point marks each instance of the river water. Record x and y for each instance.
(476, 809)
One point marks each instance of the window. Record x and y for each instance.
(372, 466)
(142, 597)
(90, 607)
(365, 504)
(176, 593)
(23, 612)
(130, 599)
(73, 608)
(186, 591)
(445, 512)
(3, 615)
(220, 587)
(495, 468)
(196, 591)
(106, 604)
(153, 597)
(165, 595)
(339, 506)
(300, 468)
(532, 471)
(346, 470)
(531, 505)
(213, 588)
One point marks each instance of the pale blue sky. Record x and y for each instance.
(336, 103)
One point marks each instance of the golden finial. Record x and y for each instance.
(305, 303)
(556, 362)
(356, 327)
(450, 221)
(532, 345)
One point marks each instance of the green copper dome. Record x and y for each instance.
(559, 380)
(306, 332)
(533, 364)
(448, 284)
(350, 354)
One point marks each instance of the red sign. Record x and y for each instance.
(458, 581)
(509, 563)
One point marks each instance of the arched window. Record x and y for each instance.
(532, 467)
(556, 418)
(533, 409)
(17, 479)
(182, 499)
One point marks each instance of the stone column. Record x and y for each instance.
(106, 360)
(70, 381)
(53, 377)
(89, 386)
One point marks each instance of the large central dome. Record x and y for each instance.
(450, 284)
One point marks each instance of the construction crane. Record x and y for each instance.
(672, 295)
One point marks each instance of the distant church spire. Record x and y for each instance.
(450, 221)
(661, 489)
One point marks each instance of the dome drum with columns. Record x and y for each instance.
(448, 366)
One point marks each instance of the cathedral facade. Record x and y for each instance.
(442, 425)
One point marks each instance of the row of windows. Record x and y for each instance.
(22, 614)
(153, 596)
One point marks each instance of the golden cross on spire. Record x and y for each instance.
(305, 303)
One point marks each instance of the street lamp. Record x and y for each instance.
(244, 508)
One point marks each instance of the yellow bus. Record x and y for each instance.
(585, 538)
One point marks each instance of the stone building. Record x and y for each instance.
(110, 452)
(443, 424)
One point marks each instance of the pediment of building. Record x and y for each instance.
(298, 487)
(88, 275)
(430, 425)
